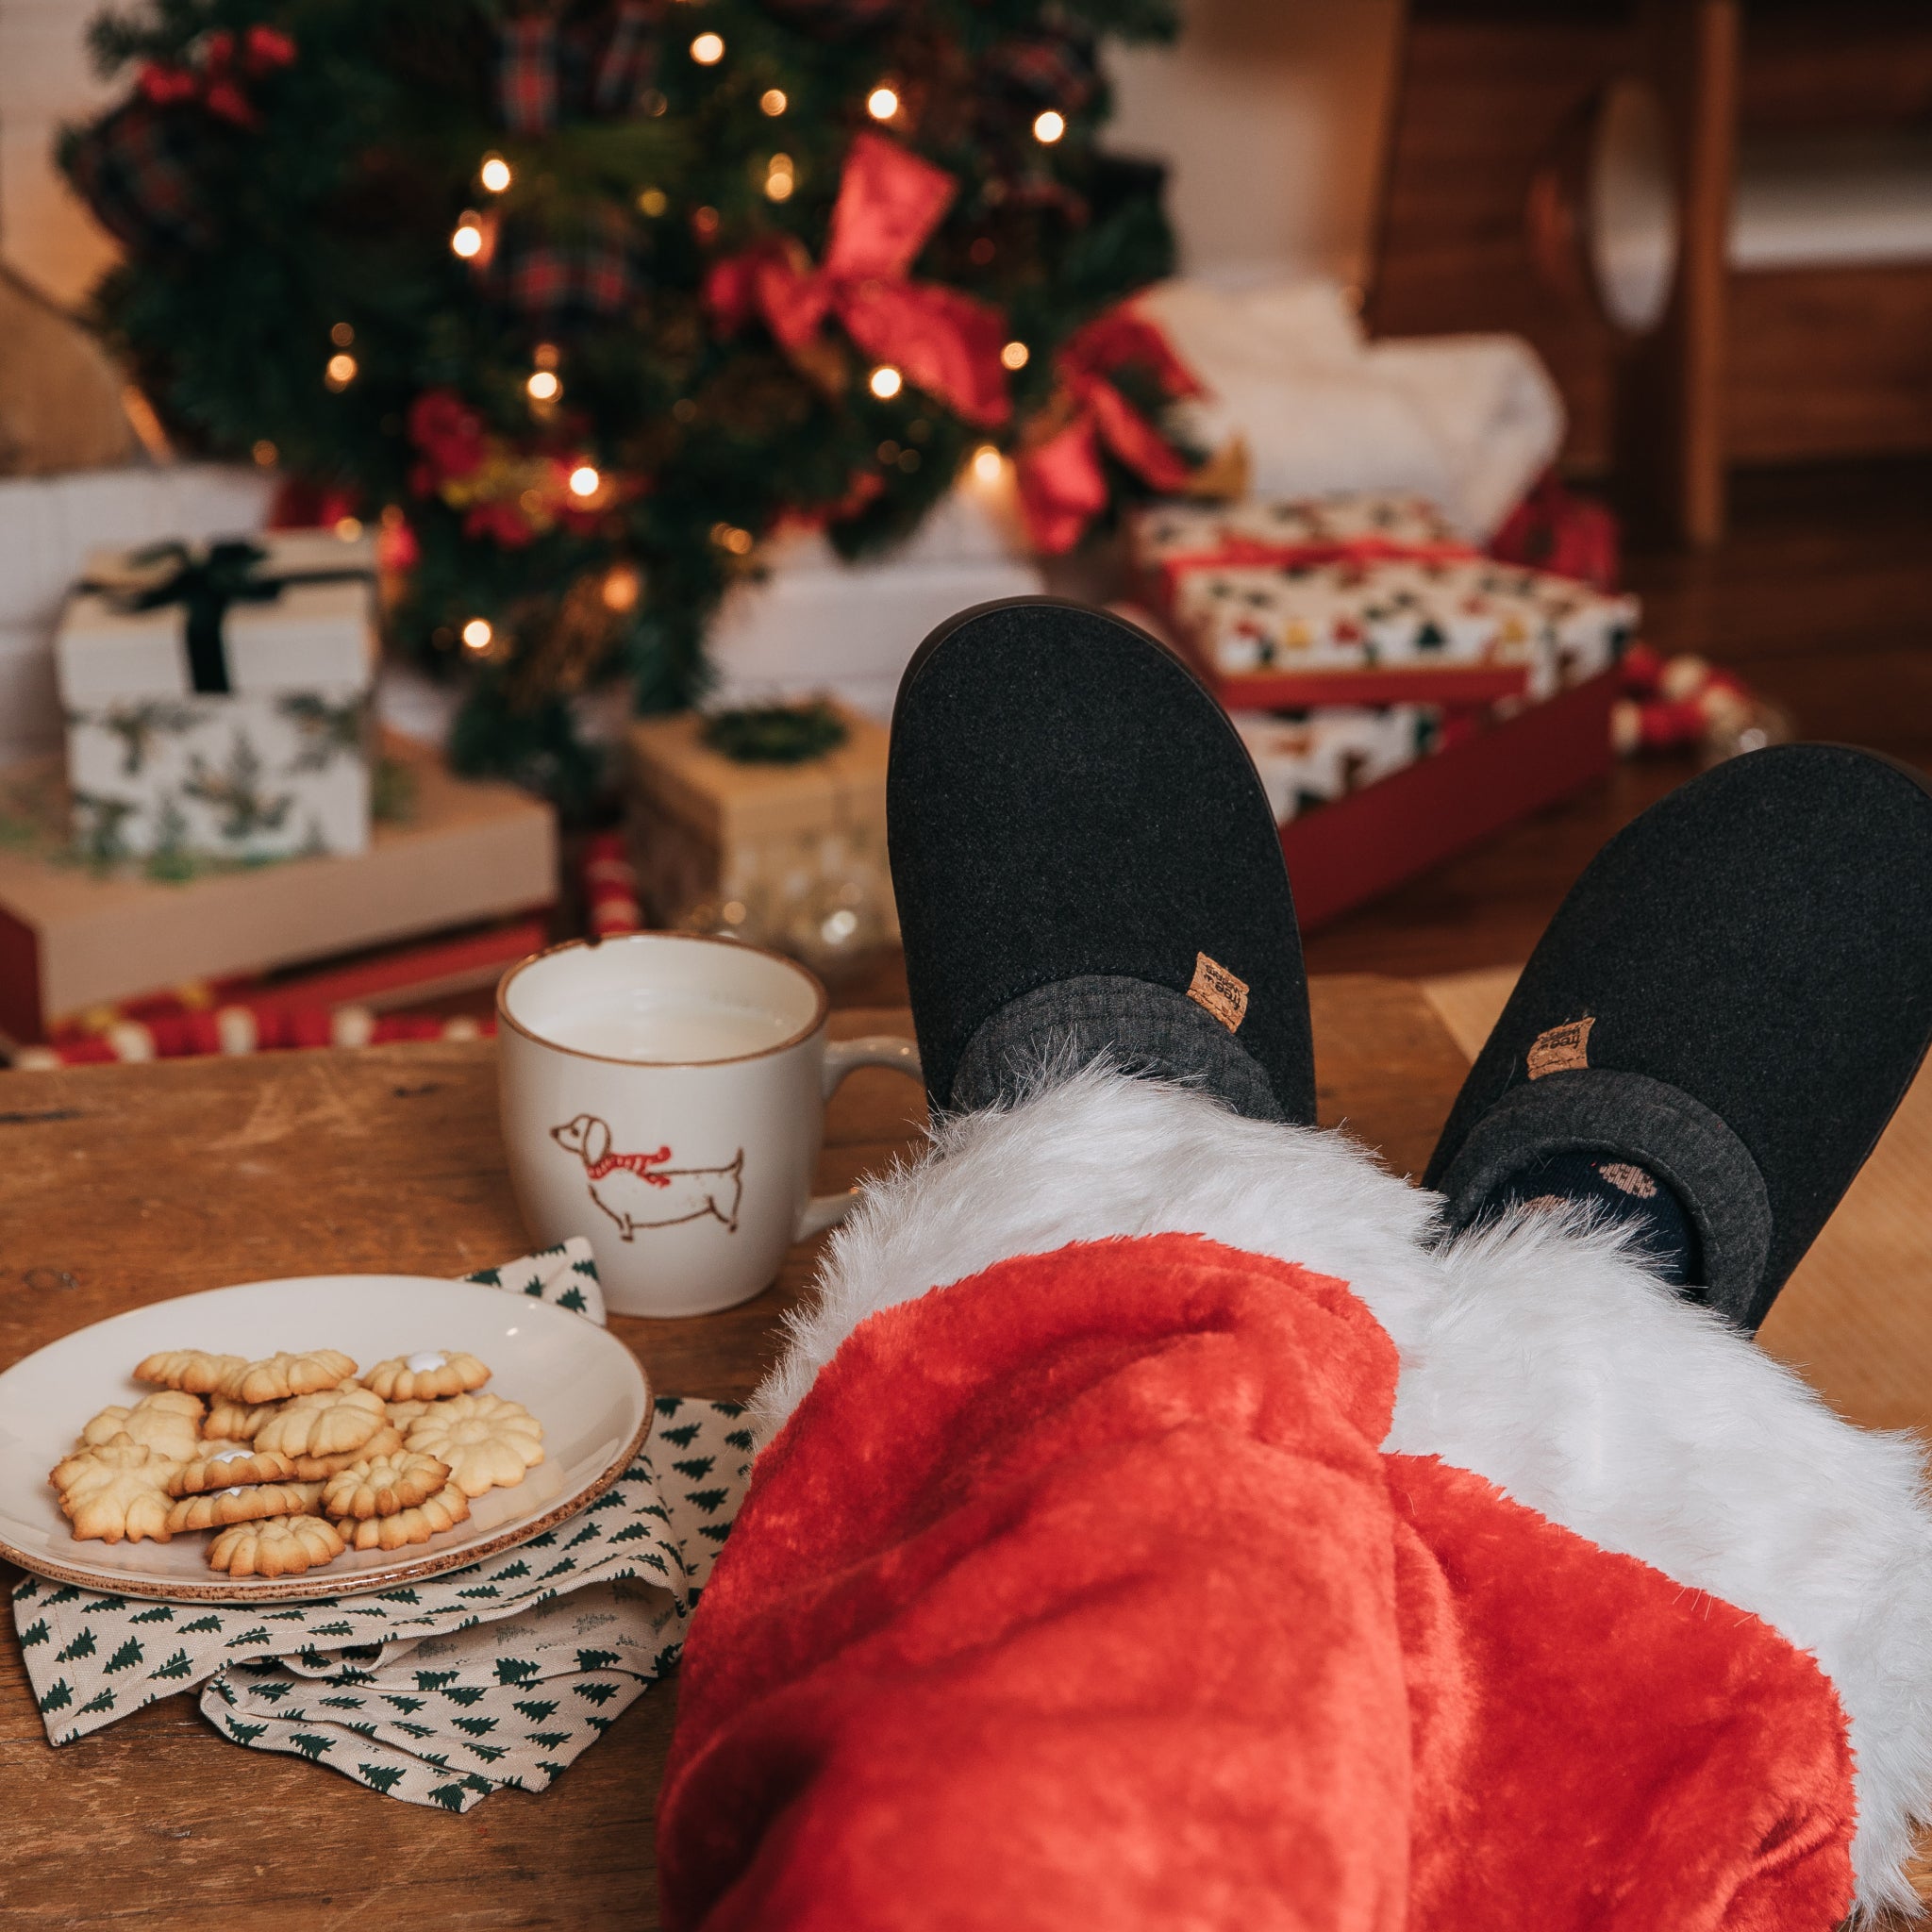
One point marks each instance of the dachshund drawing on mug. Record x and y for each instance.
(640, 1190)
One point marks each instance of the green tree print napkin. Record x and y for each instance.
(439, 1692)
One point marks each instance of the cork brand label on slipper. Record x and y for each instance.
(1217, 989)
(1561, 1049)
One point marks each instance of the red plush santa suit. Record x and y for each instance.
(1091, 1591)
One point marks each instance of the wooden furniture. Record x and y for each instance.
(120, 1184)
(1752, 364)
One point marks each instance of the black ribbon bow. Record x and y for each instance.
(207, 583)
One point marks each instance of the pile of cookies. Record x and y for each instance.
(295, 1459)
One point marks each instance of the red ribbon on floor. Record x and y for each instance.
(1062, 483)
(889, 202)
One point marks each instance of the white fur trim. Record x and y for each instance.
(1540, 1354)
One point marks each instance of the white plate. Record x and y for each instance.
(580, 1382)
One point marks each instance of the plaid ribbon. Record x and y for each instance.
(135, 169)
(526, 90)
(590, 269)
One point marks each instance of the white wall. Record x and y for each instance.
(1273, 115)
(45, 78)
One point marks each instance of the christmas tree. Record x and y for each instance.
(584, 300)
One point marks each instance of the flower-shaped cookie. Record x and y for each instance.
(193, 1369)
(442, 1511)
(487, 1441)
(167, 1421)
(383, 1485)
(236, 1421)
(276, 1377)
(386, 1441)
(113, 1491)
(426, 1378)
(246, 1502)
(327, 1424)
(280, 1547)
(404, 1413)
(223, 1465)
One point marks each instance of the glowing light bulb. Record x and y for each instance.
(622, 588)
(265, 453)
(495, 174)
(653, 201)
(708, 49)
(348, 528)
(882, 102)
(885, 382)
(340, 372)
(1049, 126)
(780, 181)
(584, 480)
(729, 536)
(1015, 355)
(477, 634)
(341, 335)
(987, 463)
(468, 238)
(773, 102)
(543, 386)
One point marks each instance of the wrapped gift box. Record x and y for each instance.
(1365, 600)
(707, 827)
(72, 938)
(240, 732)
(1319, 756)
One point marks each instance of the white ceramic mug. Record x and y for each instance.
(665, 1094)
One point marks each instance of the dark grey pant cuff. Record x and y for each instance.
(1142, 1027)
(1650, 1122)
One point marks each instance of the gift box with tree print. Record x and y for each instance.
(217, 698)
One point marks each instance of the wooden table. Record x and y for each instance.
(124, 1185)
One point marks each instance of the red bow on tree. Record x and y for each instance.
(889, 202)
(216, 82)
(1062, 483)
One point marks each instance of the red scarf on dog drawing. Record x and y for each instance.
(637, 1190)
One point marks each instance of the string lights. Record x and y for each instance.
(882, 102)
(342, 334)
(468, 238)
(495, 174)
(1015, 355)
(708, 49)
(1049, 126)
(773, 102)
(988, 463)
(653, 202)
(885, 382)
(339, 371)
(779, 180)
(584, 480)
(543, 386)
(477, 634)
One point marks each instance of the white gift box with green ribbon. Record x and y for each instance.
(217, 698)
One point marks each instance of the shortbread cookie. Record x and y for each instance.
(487, 1441)
(113, 1491)
(327, 1424)
(383, 1485)
(194, 1370)
(276, 1377)
(280, 1546)
(224, 1465)
(386, 1441)
(404, 1413)
(167, 1422)
(430, 1517)
(246, 1503)
(236, 1421)
(426, 1378)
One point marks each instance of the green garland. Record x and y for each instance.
(290, 177)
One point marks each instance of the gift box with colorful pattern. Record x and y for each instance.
(1365, 600)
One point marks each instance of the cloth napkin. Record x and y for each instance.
(440, 1691)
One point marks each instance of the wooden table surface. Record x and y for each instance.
(127, 1184)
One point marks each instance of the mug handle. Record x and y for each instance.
(844, 1057)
